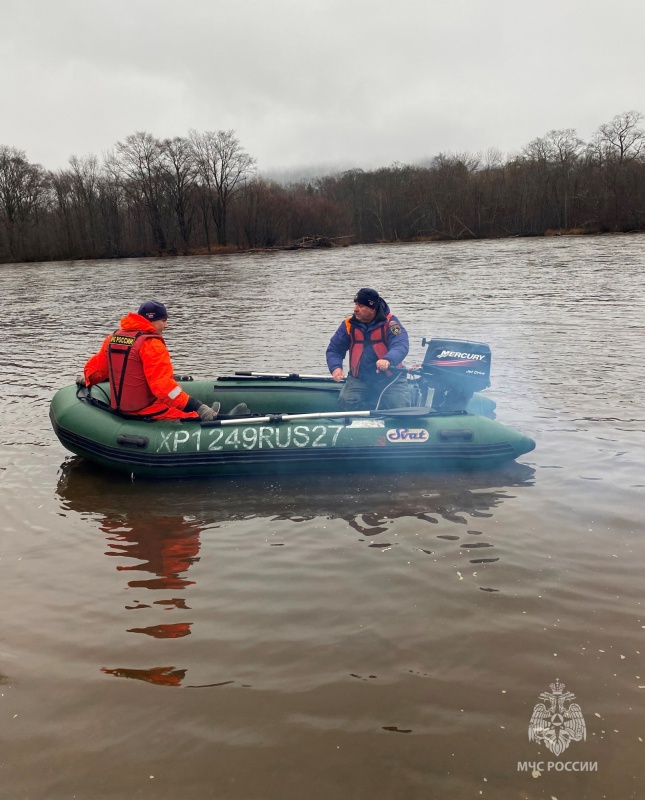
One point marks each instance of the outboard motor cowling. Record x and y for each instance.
(454, 369)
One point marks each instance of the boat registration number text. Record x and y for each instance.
(251, 437)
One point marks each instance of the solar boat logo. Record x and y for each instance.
(557, 721)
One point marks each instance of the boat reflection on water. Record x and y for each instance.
(143, 519)
(160, 676)
(158, 524)
(162, 544)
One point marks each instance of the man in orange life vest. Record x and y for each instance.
(137, 362)
(376, 341)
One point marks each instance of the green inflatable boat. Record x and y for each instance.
(295, 426)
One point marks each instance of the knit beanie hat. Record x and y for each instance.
(367, 297)
(153, 310)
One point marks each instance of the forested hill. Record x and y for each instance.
(202, 193)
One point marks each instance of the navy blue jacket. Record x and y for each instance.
(398, 345)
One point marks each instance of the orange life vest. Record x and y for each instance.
(129, 390)
(358, 341)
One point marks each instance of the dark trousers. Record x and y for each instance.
(360, 395)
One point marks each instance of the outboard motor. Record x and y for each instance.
(455, 370)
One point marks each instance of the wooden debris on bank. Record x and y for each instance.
(309, 243)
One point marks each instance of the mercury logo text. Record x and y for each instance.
(455, 354)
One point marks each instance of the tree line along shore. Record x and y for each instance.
(203, 194)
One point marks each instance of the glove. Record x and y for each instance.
(206, 413)
(80, 380)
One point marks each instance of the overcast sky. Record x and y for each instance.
(315, 83)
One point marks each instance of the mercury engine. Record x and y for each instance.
(454, 369)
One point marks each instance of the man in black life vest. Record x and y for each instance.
(376, 341)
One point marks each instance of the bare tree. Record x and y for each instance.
(223, 168)
(138, 164)
(493, 158)
(619, 147)
(60, 184)
(556, 147)
(179, 158)
(550, 160)
(21, 188)
(623, 140)
(86, 175)
(112, 211)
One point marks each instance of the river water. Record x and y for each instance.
(345, 636)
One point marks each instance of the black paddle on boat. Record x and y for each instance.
(285, 376)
